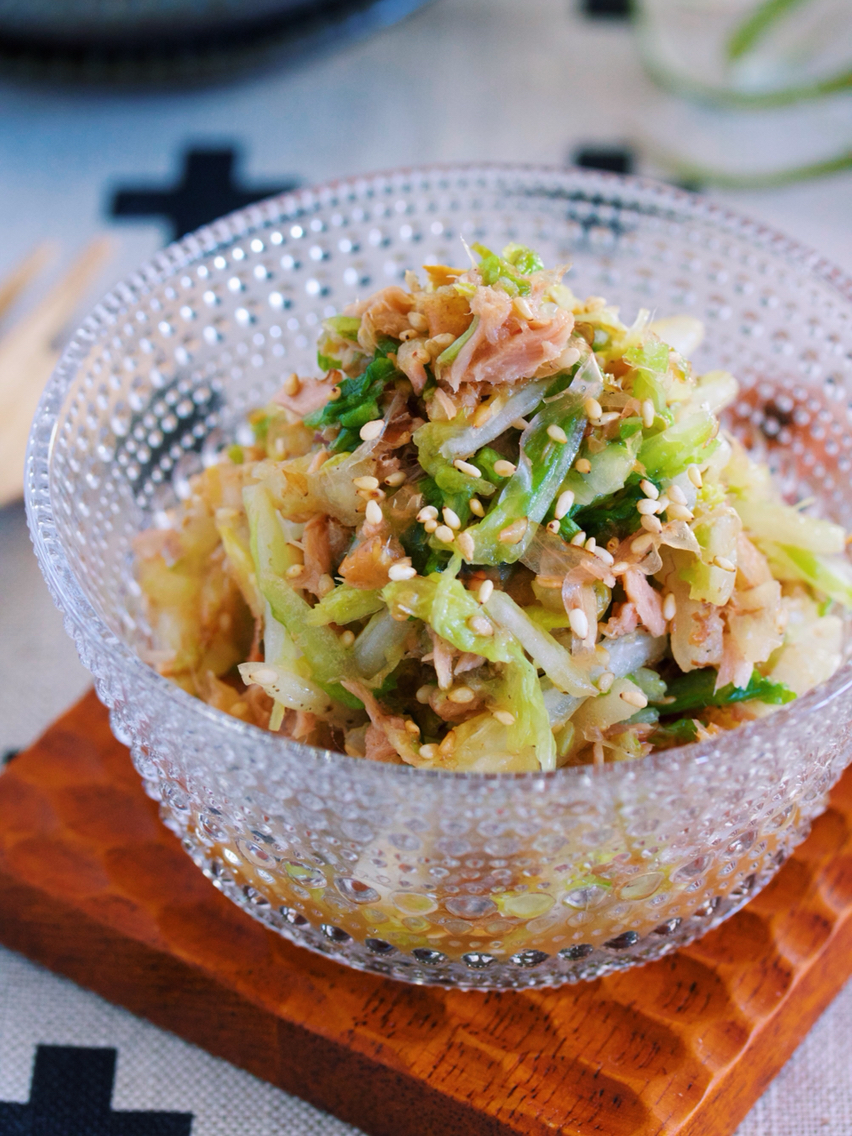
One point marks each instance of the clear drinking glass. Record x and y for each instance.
(427, 876)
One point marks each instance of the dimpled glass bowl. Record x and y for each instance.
(434, 877)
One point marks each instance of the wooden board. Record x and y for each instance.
(94, 887)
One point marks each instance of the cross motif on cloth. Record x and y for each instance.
(71, 1095)
(206, 190)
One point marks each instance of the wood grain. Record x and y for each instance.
(94, 887)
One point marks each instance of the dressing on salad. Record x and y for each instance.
(503, 532)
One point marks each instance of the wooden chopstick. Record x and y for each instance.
(29, 352)
(20, 276)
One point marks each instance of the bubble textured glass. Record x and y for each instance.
(434, 877)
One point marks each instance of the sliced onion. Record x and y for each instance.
(291, 690)
(475, 437)
(380, 643)
(551, 656)
(635, 650)
(560, 706)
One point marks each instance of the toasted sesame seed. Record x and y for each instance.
(325, 584)
(448, 744)
(663, 503)
(374, 513)
(602, 554)
(549, 581)
(557, 434)
(371, 430)
(612, 544)
(649, 489)
(669, 607)
(579, 622)
(553, 527)
(647, 506)
(680, 513)
(418, 321)
(579, 538)
(292, 385)
(264, 676)
(395, 479)
(598, 753)
(401, 571)
(609, 416)
(605, 682)
(486, 590)
(466, 545)
(347, 638)
(427, 513)
(334, 394)
(620, 568)
(649, 413)
(451, 517)
(480, 625)
(677, 495)
(641, 543)
(634, 698)
(504, 468)
(430, 752)
(423, 693)
(476, 507)
(583, 465)
(694, 475)
(294, 571)
(652, 524)
(514, 533)
(430, 525)
(724, 563)
(467, 467)
(591, 544)
(366, 483)
(522, 306)
(412, 728)
(444, 534)
(483, 413)
(461, 695)
(564, 504)
(504, 717)
(592, 408)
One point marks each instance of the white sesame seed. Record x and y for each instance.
(504, 717)
(620, 568)
(294, 571)
(553, 527)
(467, 467)
(652, 524)
(476, 507)
(579, 622)
(649, 413)
(591, 544)
(549, 581)
(430, 752)
(602, 554)
(483, 413)
(663, 503)
(430, 525)
(466, 546)
(444, 534)
(557, 434)
(423, 693)
(634, 698)
(680, 513)
(448, 744)
(427, 513)
(366, 483)
(514, 533)
(641, 543)
(609, 416)
(325, 584)
(401, 572)
(694, 475)
(486, 589)
(371, 430)
(480, 625)
(264, 676)
(292, 385)
(592, 408)
(647, 506)
(412, 728)
(605, 682)
(395, 479)
(564, 504)
(520, 424)
(347, 638)
(724, 563)
(677, 495)
(451, 517)
(578, 539)
(669, 607)
(649, 489)
(504, 468)
(522, 306)
(583, 465)
(374, 513)
(461, 695)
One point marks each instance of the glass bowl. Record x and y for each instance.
(468, 880)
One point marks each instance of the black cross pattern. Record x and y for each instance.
(206, 190)
(71, 1095)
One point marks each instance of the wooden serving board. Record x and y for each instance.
(93, 886)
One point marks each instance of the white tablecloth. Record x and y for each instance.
(464, 79)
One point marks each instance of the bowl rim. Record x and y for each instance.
(80, 612)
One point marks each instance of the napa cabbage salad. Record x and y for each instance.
(502, 532)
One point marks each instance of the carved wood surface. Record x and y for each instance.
(93, 886)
